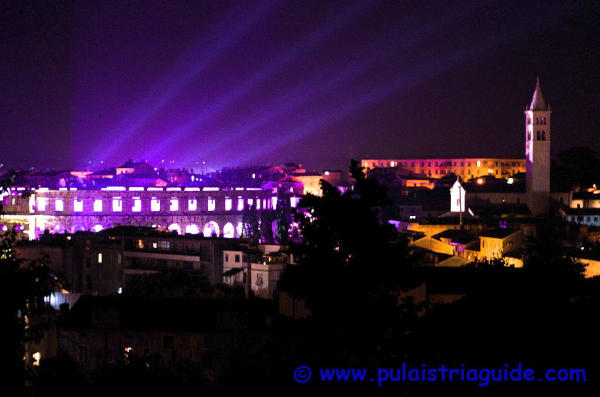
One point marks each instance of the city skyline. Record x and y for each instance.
(367, 79)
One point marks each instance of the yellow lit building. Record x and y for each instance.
(466, 168)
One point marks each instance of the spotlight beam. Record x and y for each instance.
(303, 93)
(203, 53)
(274, 66)
(414, 78)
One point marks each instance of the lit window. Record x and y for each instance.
(78, 205)
(173, 204)
(250, 202)
(98, 205)
(155, 204)
(274, 202)
(478, 163)
(228, 204)
(99, 257)
(212, 203)
(117, 204)
(59, 205)
(42, 203)
(137, 205)
(257, 204)
(192, 204)
(37, 356)
(294, 201)
(240, 205)
(140, 244)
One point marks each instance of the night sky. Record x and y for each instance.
(262, 82)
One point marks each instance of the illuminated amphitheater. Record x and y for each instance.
(208, 210)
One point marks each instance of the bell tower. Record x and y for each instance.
(537, 143)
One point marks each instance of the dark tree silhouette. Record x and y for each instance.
(351, 265)
(250, 220)
(283, 217)
(23, 313)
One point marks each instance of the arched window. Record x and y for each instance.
(543, 135)
(538, 135)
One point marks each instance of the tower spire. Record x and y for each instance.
(537, 102)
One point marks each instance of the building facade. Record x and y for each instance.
(190, 210)
(466, 168)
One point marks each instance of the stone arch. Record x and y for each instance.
(228, 230)
(211, 228)
(173, 227)
(192, 229)
(78, 228)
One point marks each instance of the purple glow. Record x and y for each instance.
(210, 229)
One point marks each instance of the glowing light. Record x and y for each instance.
(192, 229)
(228, 204)
(77, 205)
(114, 188)
(478, 163)
(211, 229)
(117, 204)
(154, 204)
(211, 189)
(174, 228)
(212, 204)
(263, 74)
(120, 290)
(192, 189)
(192, 204)
(97, 228)
(99, 257)
(173, 189)
(173, 204)
(240, 229)
(37, 356)
(199, 56)
(155, 189)
(327, 172)
(510, 181)
(137, 204)
(42, 203)
(98, 205)
(228, 230)
(480, 181)
(294, 201)
(240, 205)
(250, 202)
(136, 189)
(59, 205)
(274, 202)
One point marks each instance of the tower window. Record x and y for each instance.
(543, 135)
(539, 135)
